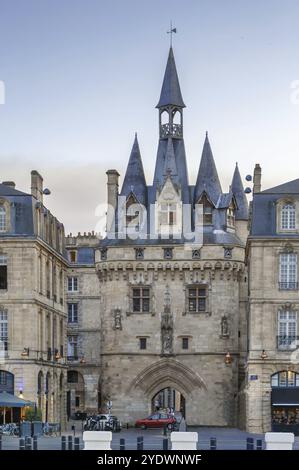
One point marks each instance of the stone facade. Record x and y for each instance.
(83, 387)
(32, 305)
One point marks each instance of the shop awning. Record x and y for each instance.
(8, 400)
(285, 397)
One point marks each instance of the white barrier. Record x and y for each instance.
(279, 440)
(97, 440)
(184, 440)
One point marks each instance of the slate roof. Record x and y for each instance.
(291, 187)
(171, 91)
(9, 191)
(238, 191)
(207, 178)
(134, 181)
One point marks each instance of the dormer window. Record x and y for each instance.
(207, 210)
(168, 214)
(288, 217)
(2, 219)
(132, 214)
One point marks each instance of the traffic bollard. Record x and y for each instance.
(22, 444)
(34, 442)
(165, 444)
(249, 443)
(140, 443)
(77, 443)
(63, 442)
(213, 443)
(70, 442)
(122, 444)
(259, 444)
(28, 443)
(0, 442)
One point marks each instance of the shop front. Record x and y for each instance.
(285, 402)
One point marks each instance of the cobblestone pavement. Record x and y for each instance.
(233, 439)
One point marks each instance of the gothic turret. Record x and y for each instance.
(207, 179)
(238, 191)
(134, 181)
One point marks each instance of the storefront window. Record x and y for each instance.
(285, 379)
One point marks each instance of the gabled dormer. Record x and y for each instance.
(168, 209)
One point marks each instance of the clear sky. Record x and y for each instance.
(81, 76)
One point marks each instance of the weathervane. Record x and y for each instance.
(171, 31)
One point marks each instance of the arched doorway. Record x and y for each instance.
(75, 392)
(169, 399)
(285, 401)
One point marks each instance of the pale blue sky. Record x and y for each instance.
(82, 76)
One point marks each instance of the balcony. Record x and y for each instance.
(72, 358)
(287, 343)
(288, 285)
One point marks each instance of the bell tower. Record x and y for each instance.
(171, 103)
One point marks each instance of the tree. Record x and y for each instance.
(33, 414)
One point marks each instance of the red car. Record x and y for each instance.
(158, 420)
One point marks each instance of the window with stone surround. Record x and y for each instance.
(141, 299)
(72, 256)
(287, 329)
(72, 310)
(3, 272)
(288, 217)
(3, 222)
(3, 331)
(72, 347)
(288, 271)
(142, 343)
(185, 343)
(197, 299)
(72, 284)
(72, 377)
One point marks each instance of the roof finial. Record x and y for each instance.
(171, 31)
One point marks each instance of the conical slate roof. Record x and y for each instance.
(171, 92)
(238, 191)
(207, 178)
(134, 181)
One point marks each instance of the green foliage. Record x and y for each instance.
(33, 414)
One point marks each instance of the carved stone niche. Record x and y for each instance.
(224, 327)
(117, 317)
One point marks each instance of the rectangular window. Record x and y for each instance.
(72, 284)
(3, 331)
(3, 377)
(72, 310)
(185, 343)
(142, 343)
(3, 272)
(77, 402)
(72, 347)
(288, 217)
(168, 214)
(197, 299)
(287, 330)
(288, 271)
(141, 299)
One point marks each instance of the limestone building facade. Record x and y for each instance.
(32, 300)
(84, 325)
(272, 379)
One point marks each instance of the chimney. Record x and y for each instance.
(257, 179)
(112, 195)
(11, 184)
(37, 185)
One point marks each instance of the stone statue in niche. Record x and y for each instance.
(167, 325)
(117, 319)
(224, 326)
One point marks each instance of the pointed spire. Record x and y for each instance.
(134, 181)
(238, 191)
(170, 168)
(171, 92)
(207, 178)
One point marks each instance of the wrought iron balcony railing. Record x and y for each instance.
(288, 285)
(285, 342)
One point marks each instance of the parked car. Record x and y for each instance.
(157, 420)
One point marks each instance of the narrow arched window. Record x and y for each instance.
(2, 219)
(288, 217)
